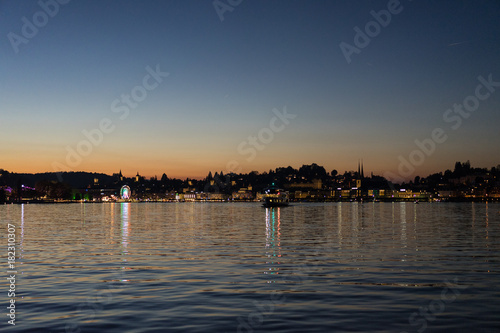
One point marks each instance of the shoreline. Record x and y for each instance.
(452, 200)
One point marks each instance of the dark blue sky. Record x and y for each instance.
(226, 77)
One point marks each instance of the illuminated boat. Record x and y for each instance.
(275, 197)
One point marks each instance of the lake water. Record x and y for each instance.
(238, 267)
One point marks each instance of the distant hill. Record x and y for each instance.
(74, 179)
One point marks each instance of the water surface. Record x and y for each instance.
(238, 267)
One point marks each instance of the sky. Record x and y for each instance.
(184, 87)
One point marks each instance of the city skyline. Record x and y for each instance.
(359, 171)
(186, 87)
(308, 183)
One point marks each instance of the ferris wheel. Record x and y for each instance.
(125, 192)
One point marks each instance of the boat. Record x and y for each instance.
(274, 196)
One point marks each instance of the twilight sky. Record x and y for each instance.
(250, 86)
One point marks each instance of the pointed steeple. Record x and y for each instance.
(362, 172)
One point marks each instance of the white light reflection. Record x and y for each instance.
(487, 224)
(403, 227)
(273, 240)
(355, 223)
(21, 249)
(125, 226)
(339, 229)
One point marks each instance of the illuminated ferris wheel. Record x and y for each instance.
(125, 192)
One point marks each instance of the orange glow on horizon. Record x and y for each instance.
(199, 169)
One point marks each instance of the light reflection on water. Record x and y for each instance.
(202, 267)
(125, 226)
(273, 244)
